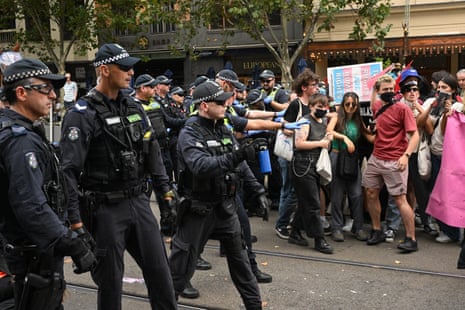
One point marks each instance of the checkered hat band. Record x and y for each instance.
(24, 75)
(226, 79)
(211, 97)
(111, 59)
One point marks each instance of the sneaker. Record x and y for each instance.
(348, 225)
(390, 235)
(431, 230)
(296, 237)
(377, 236)
(282, 232)
(326, 226)
(418, 221)
(337, 236)
(443, 238)
(408, 245)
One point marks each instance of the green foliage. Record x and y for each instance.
(253, 18)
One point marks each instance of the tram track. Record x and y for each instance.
(351, 263)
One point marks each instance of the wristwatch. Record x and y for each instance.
(407, 154)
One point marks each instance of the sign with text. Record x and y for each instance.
(352, 78)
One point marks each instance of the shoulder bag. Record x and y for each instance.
(347, 167)
(284, 144)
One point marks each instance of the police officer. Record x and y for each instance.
(105, 148)
(143, 95)
(276, 97)
(35, 222)
(209, 161)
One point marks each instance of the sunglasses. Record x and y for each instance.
(124, 68)
(412, 89)
(44, 88)
(267, 81)
(350, 104)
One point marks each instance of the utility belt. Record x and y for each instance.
(118, 196)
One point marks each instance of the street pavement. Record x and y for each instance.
(356, 276)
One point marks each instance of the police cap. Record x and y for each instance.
(267, 74)
(114, 54)
(144, 80)
(28, 68)
(229, 76)
(210, 91)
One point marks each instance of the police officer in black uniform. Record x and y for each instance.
(35, 222)
(209, 164)
(105, 145)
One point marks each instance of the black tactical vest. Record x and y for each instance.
(115, 160)
(212, 188)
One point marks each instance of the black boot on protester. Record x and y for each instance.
(377, 236)
(461, 261)
(190, 292)
(408, 245)
(296, 237)
(322, 246)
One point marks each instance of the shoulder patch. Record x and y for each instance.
(73, 133)
(31, 160)
(80, 106)
(17, 130)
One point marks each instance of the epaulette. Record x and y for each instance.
(80, 106)
(16, 130)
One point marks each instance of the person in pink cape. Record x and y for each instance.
(447, 202)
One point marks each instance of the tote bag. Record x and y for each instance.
(424, 158)
(284, 144)
(323, 167)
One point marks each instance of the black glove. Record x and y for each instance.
(85, 236)
(248, 150)
(263, 208)
(83, 258)
(168, 212)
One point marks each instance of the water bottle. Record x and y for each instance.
(264, 159)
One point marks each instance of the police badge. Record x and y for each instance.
(73, 133)
(31, 160)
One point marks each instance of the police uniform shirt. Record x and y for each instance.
(237, 123)
(26, 216)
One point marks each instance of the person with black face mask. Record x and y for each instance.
(309, 141)
(396, 138)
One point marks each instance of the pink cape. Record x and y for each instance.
(447, 200)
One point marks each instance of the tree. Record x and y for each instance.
(253, 18)
(53, 29)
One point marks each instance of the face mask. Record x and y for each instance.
(319, 113)
(387, 97)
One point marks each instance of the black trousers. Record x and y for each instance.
(130, 225)
(191, 236)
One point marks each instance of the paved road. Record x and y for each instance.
(356, 276)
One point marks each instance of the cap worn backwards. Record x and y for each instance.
(28, 68)
(112, 53)
(210, 91)
(144, 80)
(229, 76)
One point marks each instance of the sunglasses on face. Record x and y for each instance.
(124, 68)
(350, 104)
(44, 88)
(267, 81)
(412, 89)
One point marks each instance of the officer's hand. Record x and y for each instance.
(263, 209)
(84, 260)
(296, 125)
(278, 119)
(85, 236)
(268, 100)
(168, 213)
(281, 113)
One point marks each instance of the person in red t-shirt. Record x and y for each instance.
(396, 138)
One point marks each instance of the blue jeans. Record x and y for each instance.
(393, 217)
(288, 199)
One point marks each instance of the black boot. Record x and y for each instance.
(202, 264)
(190, 292)
(461, 261)
(296, 237)
(323, 246)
